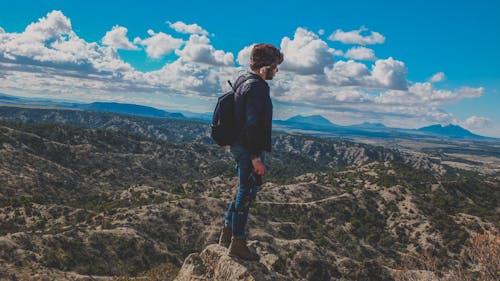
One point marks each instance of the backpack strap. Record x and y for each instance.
(243, 80)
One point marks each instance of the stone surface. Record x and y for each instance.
(215, 264)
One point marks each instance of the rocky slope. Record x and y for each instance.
(171, 130)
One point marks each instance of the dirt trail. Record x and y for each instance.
(306, 203)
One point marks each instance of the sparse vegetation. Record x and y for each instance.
(129, 197)
(163, 272)
(481, 262)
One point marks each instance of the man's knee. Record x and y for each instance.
(244, 204)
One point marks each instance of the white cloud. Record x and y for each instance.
(61, 63)
(424, 95)
(2, 30)
(355, 37)
(32, 43)
(117, 38)
(439, 116)
(385, 74)
(306, 53)
(321, 32)
(438, 77)
(244, 55)
(50, 27)
(348, 73)
(193, 78)
(360, 53)
(51, 42)
(49, 60)
(198, 49)
(182, 27)
(427, 94)
(390, 73)
(159, 44)
(475, 122)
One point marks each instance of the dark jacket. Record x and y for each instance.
(254, 114)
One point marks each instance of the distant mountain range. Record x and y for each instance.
(123, 108)
(314, 124)
(322, 125)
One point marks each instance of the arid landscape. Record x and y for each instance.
(102, 196)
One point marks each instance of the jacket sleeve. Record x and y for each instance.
(255, 99)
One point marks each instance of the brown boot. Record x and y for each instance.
(238, 248)
(225, 236)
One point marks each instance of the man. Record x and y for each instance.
(253, 112)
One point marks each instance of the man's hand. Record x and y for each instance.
(258, 167)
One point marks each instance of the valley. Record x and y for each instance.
(103, 196)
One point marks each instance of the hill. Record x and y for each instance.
(124, 195)
(452, 131)
(369, 125)
(317, 120)
(132, 109)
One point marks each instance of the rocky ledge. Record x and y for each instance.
(215, 264)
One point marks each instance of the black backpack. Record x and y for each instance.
(223, 129)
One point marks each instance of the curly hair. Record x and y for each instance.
(265, 55)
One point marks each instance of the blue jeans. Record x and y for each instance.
(237, 213)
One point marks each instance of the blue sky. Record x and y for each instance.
(350, 62)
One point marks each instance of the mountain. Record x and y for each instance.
(125, 108)
(316, 120)
(313, 123)
(7, 97)
(453, 131)
(369, 125)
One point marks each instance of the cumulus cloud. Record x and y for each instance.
(438, 77)
(425, 95)
(244, 55)
(390, 73)
(360, 53)
(188, 77)
(475, 122)
(49, 59)
(306, 53)
(35, 41)
(117, 38)
(182, 27)
(198, 49)
(356, 37)
(51, 42)
(348, 73)
(385, 74)
(321, 32)
(434, 115)
(159, 44)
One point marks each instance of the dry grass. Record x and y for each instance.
(482, 256)
(484, 252)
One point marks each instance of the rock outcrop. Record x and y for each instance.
(215, 264)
